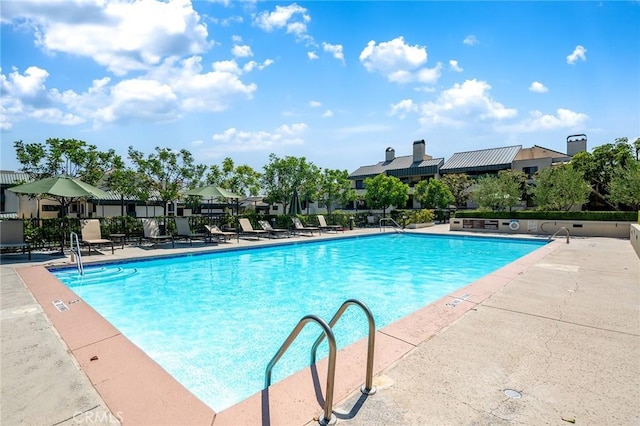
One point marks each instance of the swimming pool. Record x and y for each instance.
(214, 320)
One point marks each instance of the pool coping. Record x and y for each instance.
(135, 386)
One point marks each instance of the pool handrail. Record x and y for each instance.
(328, 417)
(394, 225)
(368, 388)
(556, 233)
(75, 252)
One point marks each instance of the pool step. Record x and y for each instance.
(93, 276)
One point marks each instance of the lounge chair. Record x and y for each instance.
(299, 228)
(275, 232)
(92, 236)
(247, 229)
(12, 236)
(152, 232)
(221, 236)
(184, 230)
(324, 227)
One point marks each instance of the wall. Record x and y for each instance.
(581, 228)
(634, 237)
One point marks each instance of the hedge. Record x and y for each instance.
(550, 215)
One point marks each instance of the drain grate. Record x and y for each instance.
(512, 393)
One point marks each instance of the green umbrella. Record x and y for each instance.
(211, 192)
(61, 186)
(295, 208)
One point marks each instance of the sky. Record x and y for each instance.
(336, 82)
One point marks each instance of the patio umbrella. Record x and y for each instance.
(61, 188)
(295, 208)
(214, 192)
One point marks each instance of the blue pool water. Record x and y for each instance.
(215, 320)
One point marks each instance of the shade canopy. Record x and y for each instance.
(295, 207)
(60, 186)
(212, 191)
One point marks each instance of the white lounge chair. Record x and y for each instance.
(222, 236)
(184, 230)
(247, 228)
(12, 236)
(92, 235)
(324, 227)
(151, 231)
(275, 232)
(299, 228)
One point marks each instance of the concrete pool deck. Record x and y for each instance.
(561, 326)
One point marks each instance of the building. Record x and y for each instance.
(410, 169)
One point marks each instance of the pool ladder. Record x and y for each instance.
(75, 252)
(394, 224)
(368, 388)
(556, 233)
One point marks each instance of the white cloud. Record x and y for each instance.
(335, 50)
(312, 55)
(464, 103)
(537, 121)
(398, 61)
(538, 87)
(315, 104)
(402, 108)
(241, 51)
(234, 140)
(579, 53)
(122, 36)
(328, 113)
(454, 66)
(470, 40)
(292, 18)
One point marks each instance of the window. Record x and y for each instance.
(530, 171)
(360, 184)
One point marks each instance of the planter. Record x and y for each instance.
(419, 225)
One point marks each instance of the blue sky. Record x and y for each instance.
(335, 82)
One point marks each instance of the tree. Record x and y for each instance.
(169, 172)
(69, 157)
(334, 188)
(458, 184)
(500, 192)
(625, 186)
(599, 168)
(560, 188)
(433, 194)
(242, 179)
(284, 175)
(385, 191)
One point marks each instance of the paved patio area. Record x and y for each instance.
(564, 334)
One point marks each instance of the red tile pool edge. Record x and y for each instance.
(142, 392)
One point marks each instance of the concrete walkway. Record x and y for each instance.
(565, 335)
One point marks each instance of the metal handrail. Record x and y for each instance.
(75, 251)
(396, 226)
(368, 388)
(556, 233)
(331, 370)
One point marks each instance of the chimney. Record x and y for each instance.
(576, 143)
(389, 154)
(419, 150)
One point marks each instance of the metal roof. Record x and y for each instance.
(481, 160)
(13, 178)
(400, 166)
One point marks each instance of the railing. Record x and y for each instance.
(367, 388)
(395, 225)
(75, 252)
(328, 417)
(556, 233)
